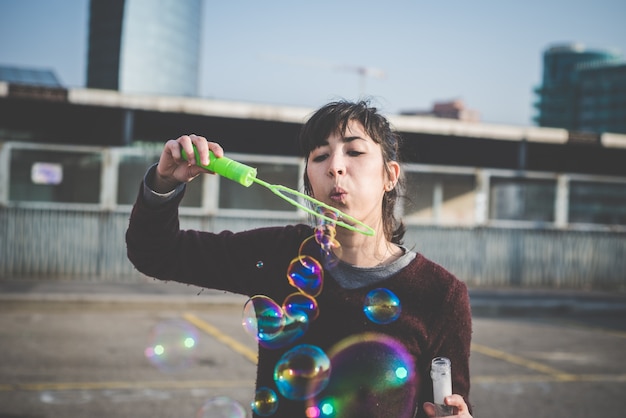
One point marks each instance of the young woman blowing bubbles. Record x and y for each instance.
(352, 164)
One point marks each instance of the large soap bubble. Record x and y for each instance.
(221, 407)
(302, 372)
(373, 375)
(172, 345)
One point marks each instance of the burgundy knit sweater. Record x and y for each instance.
(435, 319)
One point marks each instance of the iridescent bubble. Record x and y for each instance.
(302, 372)
(262, 318)
(265, 402)
(268, 324)
(330, 249)
(294, 328)
(298, 303)
(382, 306)
(373, 375)
(172, 345)
(306, 274)
(221, 407)
(325, 231)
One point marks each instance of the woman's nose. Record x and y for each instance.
(336, 166)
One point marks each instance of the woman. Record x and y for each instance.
(352, 164)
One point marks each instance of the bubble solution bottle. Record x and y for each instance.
(441, 373)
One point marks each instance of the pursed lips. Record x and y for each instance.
(338, 194)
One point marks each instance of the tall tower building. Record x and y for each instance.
(582, 89)
(145, 46)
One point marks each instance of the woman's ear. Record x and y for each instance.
(393, 174)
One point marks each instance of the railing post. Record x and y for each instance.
(561, 202)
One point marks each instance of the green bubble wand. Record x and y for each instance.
(246, 175)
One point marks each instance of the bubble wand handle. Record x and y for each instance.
(246, 175)
(225, 167)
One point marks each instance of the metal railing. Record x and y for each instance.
(66, 217)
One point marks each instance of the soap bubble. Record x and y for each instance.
(325, 231)
(262, 318)
(294, 328)
(172, 345)
(298, 303)
(373, 375)
(382, 306)
(265, 402)
(270, 326)
(302, 372)
(330, 250)
(306, 274)
(221, 407)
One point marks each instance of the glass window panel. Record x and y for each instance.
(54, 176)
(522, 199)
(598, 203)
(132, 169)
(235, 196)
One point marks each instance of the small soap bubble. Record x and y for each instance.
(221, 407)
(298, 303)
(326, 230)
(262, 318)
(172, 345)
(265, 402)
(259, 264)
(302, 372)
(372, 375)
(382, 306)
(306, 274)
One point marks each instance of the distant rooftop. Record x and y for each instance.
(30, 76)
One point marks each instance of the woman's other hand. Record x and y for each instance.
(457, 401)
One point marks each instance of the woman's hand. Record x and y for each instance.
(457, 401)
(173, 169)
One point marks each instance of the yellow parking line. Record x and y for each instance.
(221, 337)
(521, 361)
(542, 378)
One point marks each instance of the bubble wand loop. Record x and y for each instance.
(246, 175)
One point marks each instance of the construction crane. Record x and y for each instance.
(363, 72)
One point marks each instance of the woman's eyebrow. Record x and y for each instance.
(352, 138)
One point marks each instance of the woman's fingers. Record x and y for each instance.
(457, 401)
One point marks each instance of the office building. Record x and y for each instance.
(582, 90)
(145, 46)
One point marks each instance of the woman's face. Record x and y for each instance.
(347, 172)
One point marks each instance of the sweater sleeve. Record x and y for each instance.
(226, 261)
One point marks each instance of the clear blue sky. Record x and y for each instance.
(485, 52)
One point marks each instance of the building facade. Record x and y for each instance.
(582, 90)
(145, 47)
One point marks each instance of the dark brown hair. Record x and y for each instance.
(334, 117)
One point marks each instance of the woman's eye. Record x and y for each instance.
(319, 158)
(355, 153)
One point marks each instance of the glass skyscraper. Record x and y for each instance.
(145, 46)
(582, 90)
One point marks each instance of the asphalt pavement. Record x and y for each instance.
(76, 349)
(484, 301)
